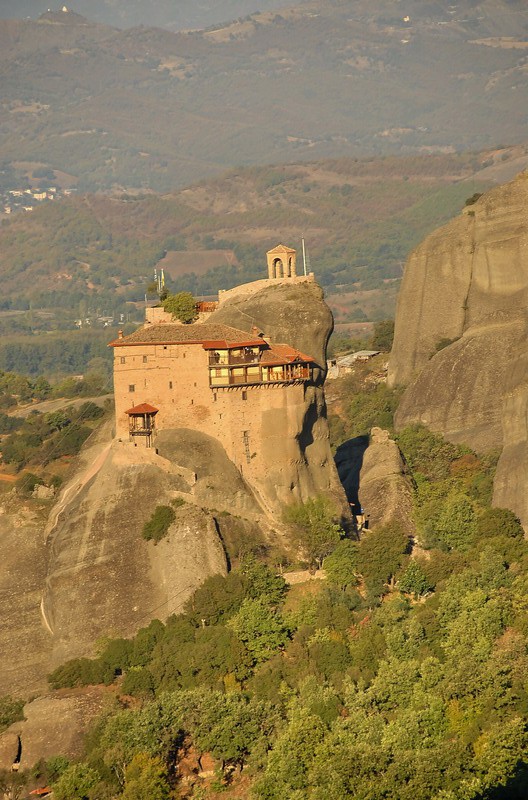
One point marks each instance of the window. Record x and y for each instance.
(244, 395)
(214, 397)
(131, 388)
(123, 359)
(170, 384)
(145, 359)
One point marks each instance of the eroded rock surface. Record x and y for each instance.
(468, 282)
(296, 446)
(54, 724)
(375, 477)
(103, 578)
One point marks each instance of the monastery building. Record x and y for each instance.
(239, 387)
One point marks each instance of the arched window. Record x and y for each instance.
(278, 268)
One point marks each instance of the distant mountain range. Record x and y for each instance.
(173, 14)
(148, 108)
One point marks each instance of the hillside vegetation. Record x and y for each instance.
(402, 676)
(359, 217)
(149, 108)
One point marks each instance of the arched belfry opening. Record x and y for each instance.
(282, 262)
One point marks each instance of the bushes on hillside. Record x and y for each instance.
(158, 525)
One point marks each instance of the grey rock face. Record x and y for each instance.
(468, 282)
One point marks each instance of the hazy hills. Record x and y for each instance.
(360, 219)
(146, 107)
(178, 15)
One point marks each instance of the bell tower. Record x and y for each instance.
(282, 262)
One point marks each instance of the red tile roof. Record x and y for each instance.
(197, 333)
(143, 408)
(223, 344)
(283, 354)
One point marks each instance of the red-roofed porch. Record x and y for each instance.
(142, 421)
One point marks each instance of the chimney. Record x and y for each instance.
(120, 334)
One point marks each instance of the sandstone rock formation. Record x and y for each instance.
(24, 643)
(468, 283)
(88, 573)
(54, 723)
(298, 448)
(103, 578)
(374, 475)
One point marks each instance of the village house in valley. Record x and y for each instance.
(239, 387)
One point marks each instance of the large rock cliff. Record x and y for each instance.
(298, 447)
(88, 572)
(461, 341)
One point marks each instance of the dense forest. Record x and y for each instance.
(401, 675)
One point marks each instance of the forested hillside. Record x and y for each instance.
(360, 219)
(400, 676)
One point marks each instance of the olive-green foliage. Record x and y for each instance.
(383, 336)
(158, 525)
(341, 566)
(372, 408)
(81, 672)
(316, 530)
(10, 711)
(498, 522)
(414, 580)
(380, 555)
(42, 438)
(428, 453)
(411, 687)
(182, 306)
(260, 627)
(146, 779)
(26, 483)
(75, 783)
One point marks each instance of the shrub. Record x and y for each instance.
(182, 306)
(158, 525)
(27, 482)
(10, 711)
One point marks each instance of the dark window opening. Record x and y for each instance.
(131, 388)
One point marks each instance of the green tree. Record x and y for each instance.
(158, 525)
(341, 566)
(383, 335)
(498, 522)
(11, 710)
(146, 779)
(291, 757)
(182, 306)
(76, 782)
(381, 555)
(414, 580)
(317, 533)
(456, 524)
(260, 627)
